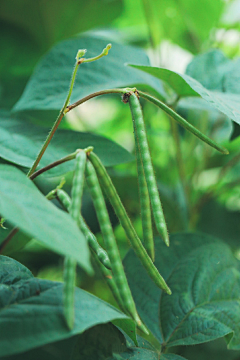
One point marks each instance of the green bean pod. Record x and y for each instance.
(93, 243)
(64, 199)
(77, 186)
(144, 203)
(138, 121)
(110, 191)
(91, 239)
(108, 276)
(110, 243)
(69, 279)
(69, 263)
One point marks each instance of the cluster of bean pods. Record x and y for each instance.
(88, 165)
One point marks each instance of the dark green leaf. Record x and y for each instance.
(31, 314)
(59, 19)
(48, 87)
(17, 242)
(136, 354)
(205, 282)
(217, 220)
(21, 142)
(171, 357)
(98, 342)
(184, 85)
(25, 207)
(214, 350)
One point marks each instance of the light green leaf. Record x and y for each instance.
(205, 282)
(31, 312)
(209, 69)
(21, 141)
(25, 207)
(231, 15)
(49, 84)
(215, 71)
(184, 85)
(181, 22)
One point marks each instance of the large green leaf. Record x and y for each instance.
(214, 350)
(58, 19)
(216, 220)
(171, 357)
(215, 71)
(17, 242)
(205, 282)
(48, 87)
(25, 207)
(21, 142)
(29, 30)
(184, 85)
(31, 311)
(209, 69)
(97, 342)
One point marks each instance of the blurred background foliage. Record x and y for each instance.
(199, 188)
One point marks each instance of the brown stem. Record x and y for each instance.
(8, 238)
(97, 93)
(53, 164)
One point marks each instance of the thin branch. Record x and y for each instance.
(95, 94)
(53, 164)
(8, 238)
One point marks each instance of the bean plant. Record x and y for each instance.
(169, 286)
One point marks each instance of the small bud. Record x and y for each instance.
(106, 50)
(80, 53)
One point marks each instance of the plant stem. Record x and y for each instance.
(79, 60)
(95, 94)
(183, 122)
(8, 238)
(58, 120)
(179, 160)
(53, 164)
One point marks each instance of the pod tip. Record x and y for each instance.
(142, 327)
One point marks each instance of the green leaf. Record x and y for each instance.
(171, 357)
(17, 242)
(205, 282)
(144, 351)
(25, 207)
(215, 71)
(98, 342)
(59, 19)
(136, 354)
(209, 69)
(21, 141)
(49, 84)
(185, 85)
(216, 220)
(214, 350)
(196, 109)
(31, 312)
